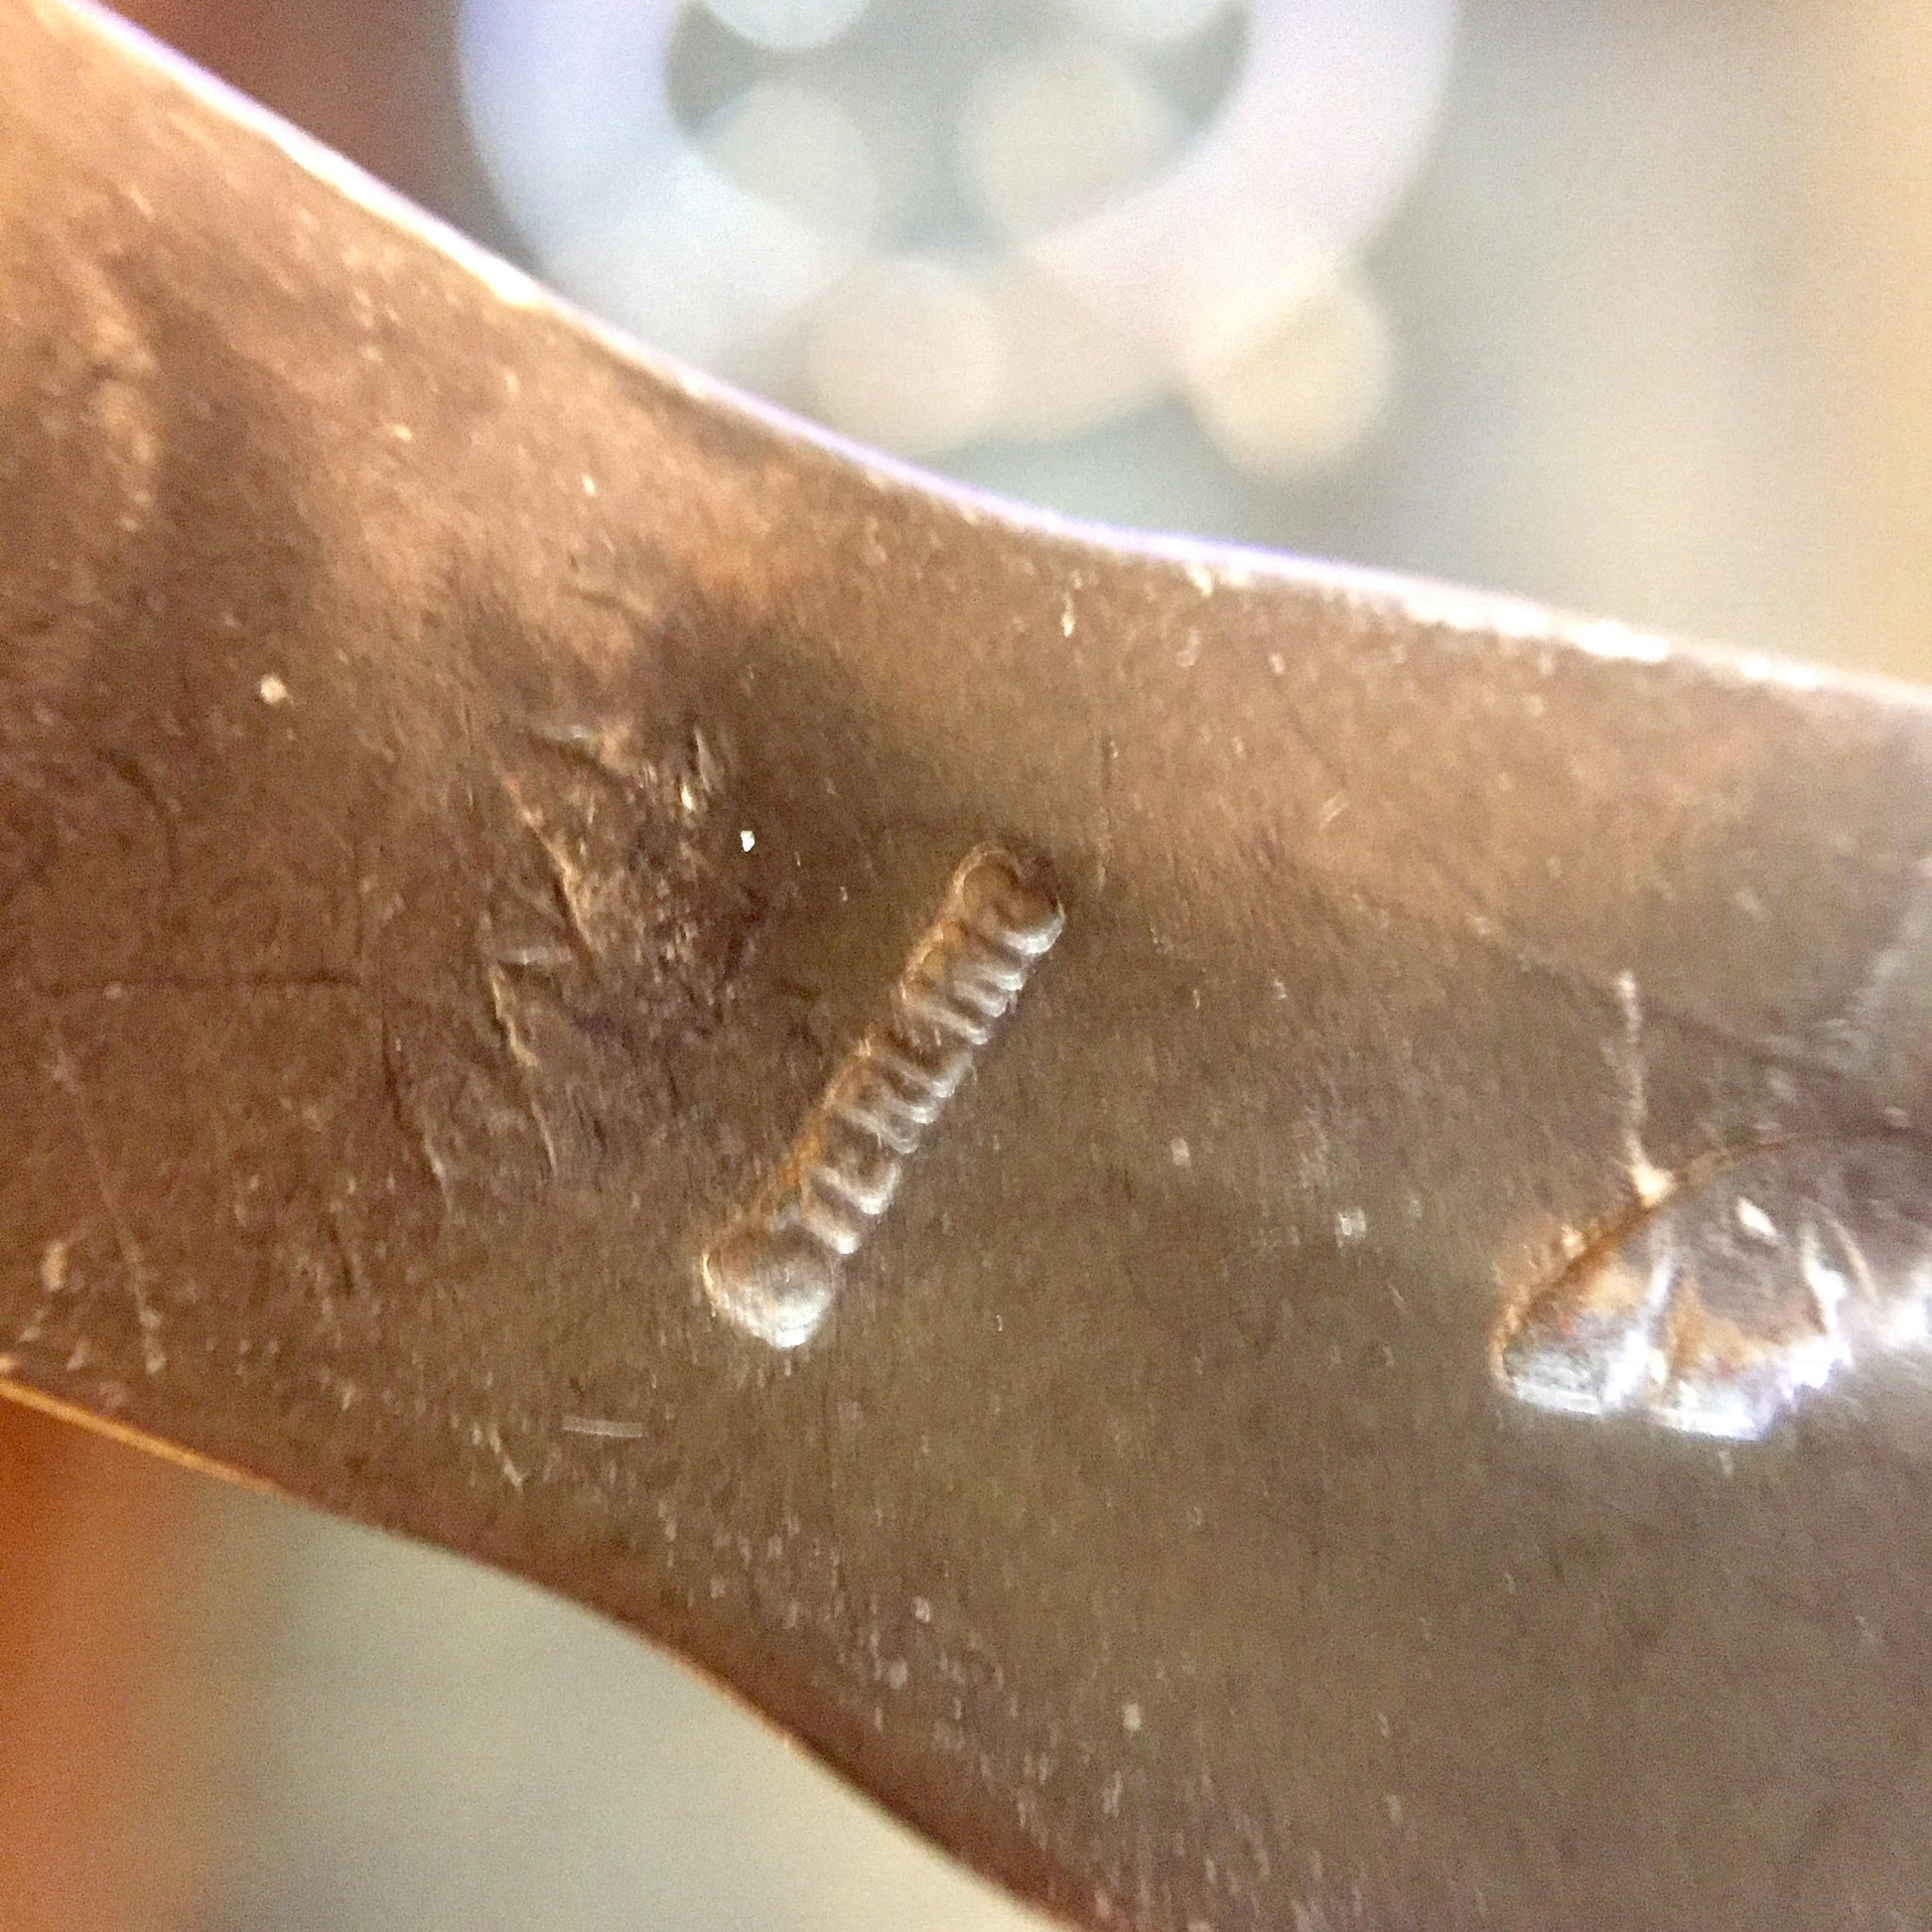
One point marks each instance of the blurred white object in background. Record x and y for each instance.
(1050, 132)
(1157, 23)
(787, 23)
(1292, 384)
(797, 174)
(910, 353)
(1071, 368)
(1085, 249)
(1310, 153)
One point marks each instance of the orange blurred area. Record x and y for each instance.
(112, 1743)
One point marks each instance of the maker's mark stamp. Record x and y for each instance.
(776, 1270)
(1739, 1290)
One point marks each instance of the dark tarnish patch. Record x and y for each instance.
(1745, 1289)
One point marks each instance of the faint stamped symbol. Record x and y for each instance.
(776, 1270)
(1738, 1290)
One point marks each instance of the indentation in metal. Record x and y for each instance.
(776, 1268)
(1746, 1288)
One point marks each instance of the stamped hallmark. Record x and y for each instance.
(1738, 1292)
(776, 1270)
(1738, 1287)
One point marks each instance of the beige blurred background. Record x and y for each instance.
(1628, 308)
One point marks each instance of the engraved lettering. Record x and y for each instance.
(776, 1270)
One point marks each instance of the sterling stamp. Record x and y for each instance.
(774, 1271)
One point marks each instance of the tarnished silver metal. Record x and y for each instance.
(1311, 1443)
